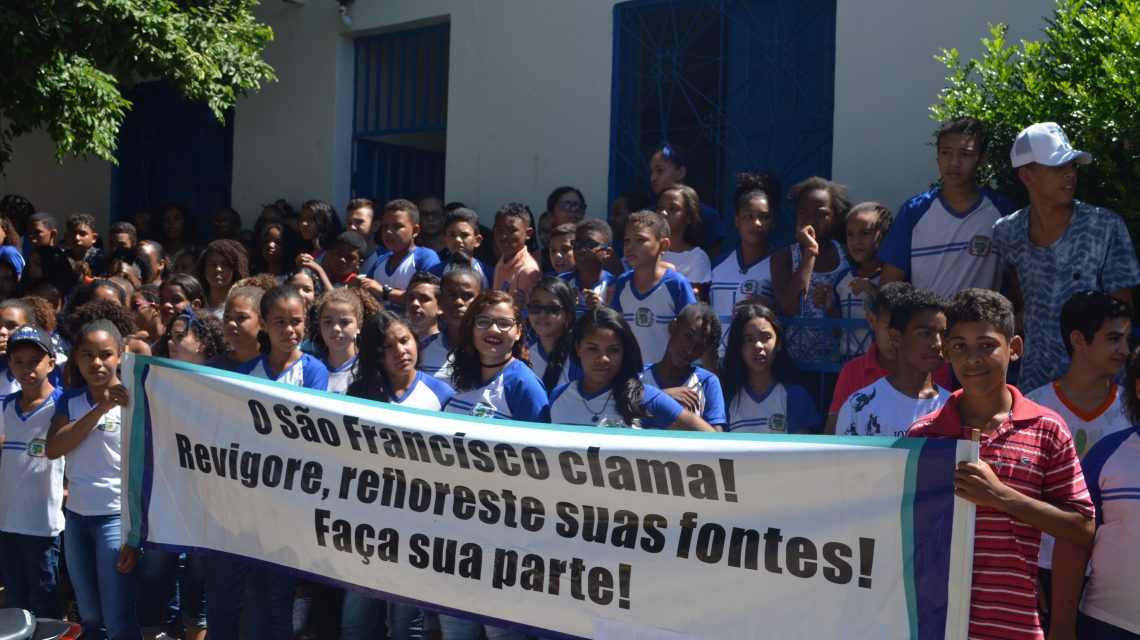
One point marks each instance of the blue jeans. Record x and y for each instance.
(29, 570)
(464, 629)
(160, 581)
(1089, 628)
(106, 597)
(266, 597)
(360, 618)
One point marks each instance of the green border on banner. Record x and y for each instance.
(137, 461)
(906, 520)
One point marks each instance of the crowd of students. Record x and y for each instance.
(659, 318)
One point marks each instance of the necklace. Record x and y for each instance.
(496, 364)
(597, 414)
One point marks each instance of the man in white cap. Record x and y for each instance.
(1056, 247)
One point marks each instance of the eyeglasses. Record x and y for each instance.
(535, 309)
(572, 205)
(502, 324)
(589, 245)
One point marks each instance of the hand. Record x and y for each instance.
(684, 396)
(591, 299)
(977, 483)
(821, 295)
(116, 396)
(128, 559)
(368, 284)
(806, 237)
(861, 286)
(306, 260)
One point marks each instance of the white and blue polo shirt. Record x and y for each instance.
(782, 409)
(94, 483)
(604, 283)
(425, 393)
(305, 371)
(569, 404)
(710, 397)
(486, 271)
(435, 356)
(515, 393)
(31, 485)
(399, 275)
(650, 313)
(733, 281)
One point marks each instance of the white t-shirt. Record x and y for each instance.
(694, 264)
(342, 376)
(570, 405)
(93, 472)
(31, 485)
(733, 281)
(305, 371)
(399, 275)
(515, 393)
(435, 357)
(879, 409)
(782, 409)
(650, 313)
(425, 393)
(1087, 430)
(8, 382)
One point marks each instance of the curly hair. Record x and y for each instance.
(42, 309)
(117, 315)
(467, 372)
(205, 326)
(346, 296)
(370, 380)
(229, 250)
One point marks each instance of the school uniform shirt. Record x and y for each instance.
(710, 396)
(306, 371)
(782, 409)
(398, 275)
(882, 410)
(694, 264)
(1087, 429)
(425, 393)
(733, 281)
(815, 344)
(435, 356)
(604, 283)
(1095, 252)
(1112, 470)
(31, 485)
(569, 404)
(853, 306)
(539, 360)
(485, 271)
(94, 483)
(369, 263)
(943, 250)
(1030, 451)
(8, 382)
(650, 313)
(342, 376)
(515, 393)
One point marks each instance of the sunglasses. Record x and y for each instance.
(539, 309)
(502, 324)
(589, 245)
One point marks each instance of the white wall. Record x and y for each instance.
(886, 79)
(60, 189)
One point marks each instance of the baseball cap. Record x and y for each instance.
(1045, 143)
(34, 335)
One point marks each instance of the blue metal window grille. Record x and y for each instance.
(400, 90)
(737, 85)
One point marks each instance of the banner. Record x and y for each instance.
(555, 530)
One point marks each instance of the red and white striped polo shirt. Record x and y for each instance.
(1032, 451)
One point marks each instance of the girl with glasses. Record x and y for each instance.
(551, 315)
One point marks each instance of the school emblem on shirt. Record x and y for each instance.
(980, 246)
(610, 423)
(750, 287)
(37, 448)
(109, 424)
(483, 410)
(644, 317)
(777, 422)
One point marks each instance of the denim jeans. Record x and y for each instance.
(360, 619)
(1089, 628)
(265, 596)
(106, 597)
(464, 629)
(160, 581)
(29, 571)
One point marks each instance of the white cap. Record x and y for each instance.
(1045, 143)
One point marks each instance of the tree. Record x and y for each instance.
(64, 62)
(1084, 74)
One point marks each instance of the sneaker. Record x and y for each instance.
(301, 614)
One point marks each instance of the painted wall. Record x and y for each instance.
(59, 189)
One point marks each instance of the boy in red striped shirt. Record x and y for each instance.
(1028, 479)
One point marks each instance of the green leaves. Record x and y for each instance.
(68, 60)
(1083, 74)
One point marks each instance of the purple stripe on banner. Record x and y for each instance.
(546, 634)
(148, 461)
(933, 530)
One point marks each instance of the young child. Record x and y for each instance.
(744, 275)
(457, 289)
(610, 392)
(462, 237)
(340, 316)
(551, 316)
(941, 239)
(666, 168)
(82, 242)
(41, 230)
(14, 313)
(31, 486)
(649, 295)
(360, 216)
(805, 274)
(516, 272)
(681, 208)
(866, 224)
(178, 292)
(593, 242)
(194, 338)
(318, 226)
(758, 393)
(888, 406)
(694, 333)
(490, 373)
(87, 428)
(309, 285)
(421, 304)
(123, 236)
(223, 263)
(560, 249)
(179, 231)
(241, 326)
(399, 226)
(386, 372)
(340, 264)
(1028, 479)
(283, 312)
(278, 248)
